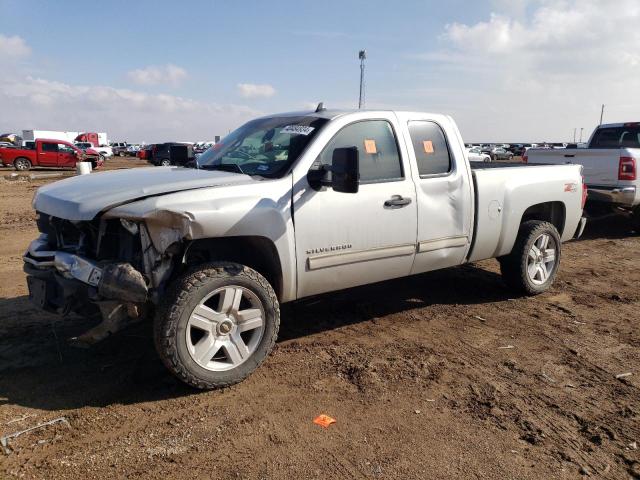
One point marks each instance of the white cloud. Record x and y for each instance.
(36, 103)
(169, 74)
(252, 90)
(13, 46)
(541, 72)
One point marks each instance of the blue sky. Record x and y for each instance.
(145, 70)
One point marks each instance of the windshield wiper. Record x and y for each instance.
(225, 167)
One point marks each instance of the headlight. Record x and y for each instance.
(130, 226)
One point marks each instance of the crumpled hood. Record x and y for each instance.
(84, 196)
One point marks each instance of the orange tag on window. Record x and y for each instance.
(370, 147)
(324, 420)
(428, 146)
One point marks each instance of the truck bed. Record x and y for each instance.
(502, 197)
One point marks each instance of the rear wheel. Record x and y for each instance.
(217, 325)
(532, 265)
(165, 163)
(22, 164)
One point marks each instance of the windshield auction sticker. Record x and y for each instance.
(297, 130)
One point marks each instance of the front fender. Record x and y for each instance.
(258, 210)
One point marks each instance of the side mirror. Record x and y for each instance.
(345, 173)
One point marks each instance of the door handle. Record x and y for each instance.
(397, 201)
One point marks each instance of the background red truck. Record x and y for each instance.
(48, 153)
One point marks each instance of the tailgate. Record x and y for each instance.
(600, 165)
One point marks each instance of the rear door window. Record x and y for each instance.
(430, 147)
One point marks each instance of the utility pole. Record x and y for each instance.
(574, 135)
(601, 113)
(362, 55)
(581, 129)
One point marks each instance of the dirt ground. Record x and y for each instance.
(444, 375)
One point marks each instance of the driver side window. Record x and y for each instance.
(377, 149)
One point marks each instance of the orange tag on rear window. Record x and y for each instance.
(428, 146)
(370, 147)
(324, 420)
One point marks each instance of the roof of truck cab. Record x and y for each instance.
(330, 114)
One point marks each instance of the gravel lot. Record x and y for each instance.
(443, 375)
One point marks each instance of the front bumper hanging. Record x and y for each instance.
(113, 281)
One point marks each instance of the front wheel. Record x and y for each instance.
(165, 163)
(532, 265)
(217, 325)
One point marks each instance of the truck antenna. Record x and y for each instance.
(362, 55)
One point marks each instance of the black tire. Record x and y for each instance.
(635, 219)
(184, 295)
(22, 164)
(165, 163)
(121, 154)
(514, 266)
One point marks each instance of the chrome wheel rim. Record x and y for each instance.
(541, 260)
(225, 328)
(21, 164)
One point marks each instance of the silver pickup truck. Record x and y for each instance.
(285, 207)
(610, 167)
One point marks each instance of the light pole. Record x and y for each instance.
(581, 129)
(574, 135)
(601, 113)
(362, 55)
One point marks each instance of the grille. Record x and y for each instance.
(101, 240)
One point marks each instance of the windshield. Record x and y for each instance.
(266, 146)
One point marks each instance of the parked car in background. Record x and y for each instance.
(475, 155)
(171, 153)
(103, 151)
(214, 251)
(499, 153)
(610, 164)
(486, 148)
(88, 147)
(133, 150)
(12, 138)
(145, 152)
(119, 148)
(48, 153)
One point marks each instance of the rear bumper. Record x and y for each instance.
(623, 196)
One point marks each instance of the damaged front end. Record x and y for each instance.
(107, 267)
